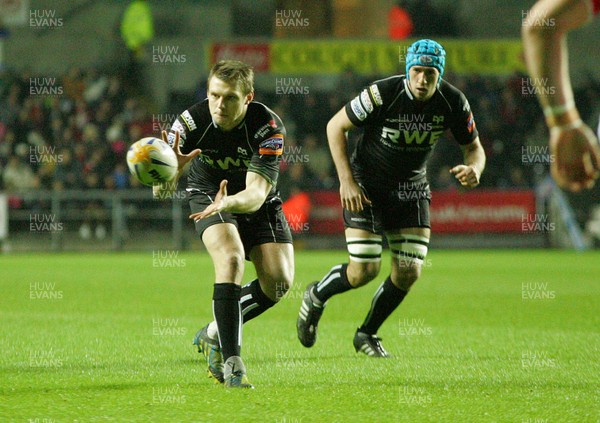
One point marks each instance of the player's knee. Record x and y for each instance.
(281, 288)
(409, 252)
(365, 260)
(234, 262)
(283, 285)
(277, 284)
(406, 276)
(363, 273)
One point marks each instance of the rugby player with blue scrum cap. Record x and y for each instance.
(384, 188)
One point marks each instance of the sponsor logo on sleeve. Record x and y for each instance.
(171, 139)
(272, 146)
(366, 101)
(263, 130)
(376, 95)
(188, 120)
(358, 109)
(176, 127)
(470, 123)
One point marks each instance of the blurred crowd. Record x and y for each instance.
(73, 132)
(64, 133)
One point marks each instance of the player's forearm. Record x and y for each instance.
(475, 157)
(245, 201)
(545, 46)
(338, 147)
(547, 61)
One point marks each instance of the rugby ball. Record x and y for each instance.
(152, 161)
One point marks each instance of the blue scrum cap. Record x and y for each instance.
(426, 53)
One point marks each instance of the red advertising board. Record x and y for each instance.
(326, 213)
(256, 55)
(481, 211)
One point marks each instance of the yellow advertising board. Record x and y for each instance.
(496, 57)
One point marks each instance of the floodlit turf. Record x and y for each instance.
(509, 336)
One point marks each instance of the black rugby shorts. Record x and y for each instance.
(267, 224)
(405, 207)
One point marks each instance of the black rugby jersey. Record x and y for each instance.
(399, 133)
(255, 145)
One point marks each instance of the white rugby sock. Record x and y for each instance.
(212, 331)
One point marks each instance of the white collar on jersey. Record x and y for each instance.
(408, 93)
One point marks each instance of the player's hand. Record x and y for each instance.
(466, 175)
(352, 196)
(576, 157)
(217, 206)
(182, 159)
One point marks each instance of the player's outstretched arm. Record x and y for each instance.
(164, 190)
(544, 34)
(573, 145)
(248, 200)
(469, 174)
(351, 195)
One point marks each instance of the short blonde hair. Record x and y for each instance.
(234, 72)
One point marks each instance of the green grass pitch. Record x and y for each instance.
(484, 336)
